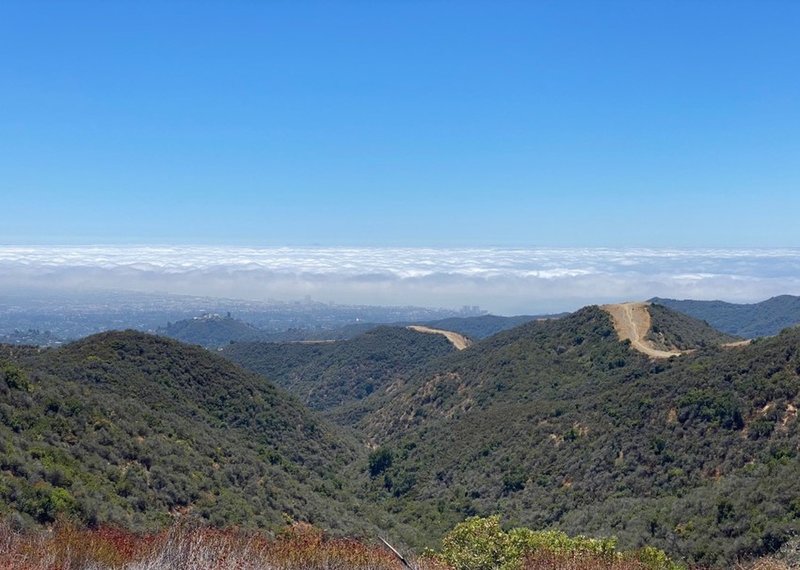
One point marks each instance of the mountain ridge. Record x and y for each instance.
(215, 331)
(129, 428)
(554, 423)
(559, 424)
(747, 320)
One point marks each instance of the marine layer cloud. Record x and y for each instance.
(502, 280)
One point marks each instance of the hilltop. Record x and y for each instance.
(131, 429)
(211, 330)
(659, 332)
(558, 423)
(754, 320)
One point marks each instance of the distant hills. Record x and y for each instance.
(754, 320)
(211, 330)
(484, 326)
(766, 318)
(329, 375)
(216, 331)
(72, 314)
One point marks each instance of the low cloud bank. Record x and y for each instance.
(505, 281)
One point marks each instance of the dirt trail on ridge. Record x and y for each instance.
(457, 340)
(736, 343)
(632, 322)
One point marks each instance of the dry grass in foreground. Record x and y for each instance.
(551, 561)
(183, 548)
(299, 547)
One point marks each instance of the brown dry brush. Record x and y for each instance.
(769, 563)
(182, 547)
(299, 547)
(548, 560)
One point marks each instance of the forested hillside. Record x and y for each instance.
(558, 424)
(754, 320)
(132, 429)
(670, 329)
(552, 424)
(327, 375)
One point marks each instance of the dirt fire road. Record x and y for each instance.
(632, 322)
(457, 340)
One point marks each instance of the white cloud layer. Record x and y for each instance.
(501, 280)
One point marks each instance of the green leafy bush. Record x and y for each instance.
(480, 543)
(379, 461)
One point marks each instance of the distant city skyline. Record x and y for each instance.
(566, 124)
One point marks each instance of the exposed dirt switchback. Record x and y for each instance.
(737, 343)
(457, 340)
(632, 322)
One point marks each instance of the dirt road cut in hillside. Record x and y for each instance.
(632, 322)
(457, 340)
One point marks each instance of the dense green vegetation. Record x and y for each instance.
(483, 544)
(327, 376)
(132, 429)
(554, 424)
(670, 329)
(557, 424)
(755, 320)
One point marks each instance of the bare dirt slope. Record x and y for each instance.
(457, 340)
(737, 343)
(632, 322)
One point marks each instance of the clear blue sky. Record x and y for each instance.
(400, 123)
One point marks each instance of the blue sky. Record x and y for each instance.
(400, 123)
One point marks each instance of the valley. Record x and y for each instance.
(627, 420)
(348, 285)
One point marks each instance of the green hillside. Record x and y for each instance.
(552, 424)
(327, 375)
(672, 330)
(558, 424)
(131, 429)
(754, 320)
